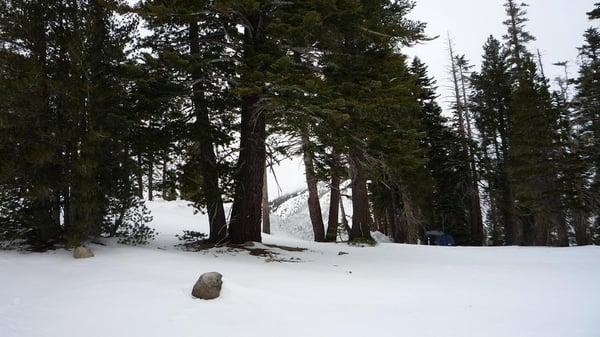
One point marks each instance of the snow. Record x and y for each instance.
(387, 290)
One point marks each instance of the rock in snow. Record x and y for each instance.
(208, 286)
(82, 252)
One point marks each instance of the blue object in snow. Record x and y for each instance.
(438, 238)
(446, 240)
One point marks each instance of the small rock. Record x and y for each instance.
(208, 286)
(82, 252)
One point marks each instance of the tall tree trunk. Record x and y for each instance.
(344, 218)
(361, 218)
(581, 223)
(508, 202)
(43, 206)
(314, 206)
(412, 219)
(476, 216)
(541, 230)
(208, 159)
(525, 234)
(562, 231)
(398, 233)
(150, 177)
(474, 205)
(266, 209)
(507, 206)
(246, 211)
(334, 207)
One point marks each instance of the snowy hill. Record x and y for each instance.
(387, 290)
(290, 217)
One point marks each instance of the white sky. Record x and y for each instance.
(558, 26)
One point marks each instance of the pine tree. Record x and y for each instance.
(360, 52)
(257, 54)
(533, 151)
(191, 42)
(491, 104)
(587, 108)
(34, 178)
(445, 161)
(458, 69)
(78, 161)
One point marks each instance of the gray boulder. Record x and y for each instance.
(82, 252)
(208, 286)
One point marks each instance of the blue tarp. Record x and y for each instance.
(437, 238)
(446, 240)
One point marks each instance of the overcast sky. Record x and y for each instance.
(558, 26)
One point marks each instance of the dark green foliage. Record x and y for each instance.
(585, 139)
(363, 242)
(192, 240)
(533, 154)
(189, 45)
(491, 106)
(446, 164)
(371, 103)
(92, 116)
(66, 130)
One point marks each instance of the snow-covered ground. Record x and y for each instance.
(387, 290)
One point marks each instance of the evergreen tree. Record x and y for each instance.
(533, 149)
(356, 63)
(447, 168)
(587, 109)
(491, 104)
(258, 54)
(470, 184)
(190, 40)
(67, 117)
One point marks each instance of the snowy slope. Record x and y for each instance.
(388, 290)
(291, 218)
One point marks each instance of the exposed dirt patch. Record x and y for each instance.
(268, 253)
(289, 249)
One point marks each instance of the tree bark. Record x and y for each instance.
(334, 208)
(562, 230)
(246, 211)
(542, 231)
(411, 218)
(581, 223)
(208, 159)
(266, 209)
(507, 206)
(525, 234)
(475, 218)
(344, 218)
(314, 206)
(361, 218)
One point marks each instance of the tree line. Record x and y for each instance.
(104, 104)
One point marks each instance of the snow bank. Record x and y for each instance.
(387, 290)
